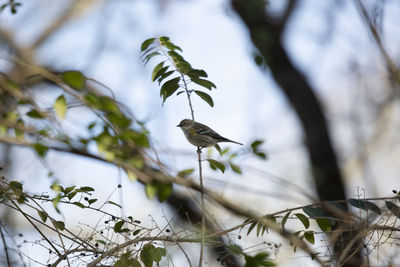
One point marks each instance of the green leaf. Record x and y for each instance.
(284, 219)
(259, 227)
(59, 225)
(75, 79)
(164, 191)
(218, 148)
(324, 224)
(34, 114)
(303, 219)
(150, 190)
(113, 203)
(235, 249)
(16, 187)
(146, 44)
(393, 208)
(71, 195)
(80, 205)
(43, 215)
(314, 212)
(197, 73)
(149, 56)
(40, 149)
(131, 262)
(165, 75)
(216, 164)
(251, 227)
(185, 173)
(205, 83)
(150, 254)
(156, 70)
(235, 168)
(68, 190)
(206, 97)
(101, 241)
(256, 144)
(309, 236)
(86, 189)
(60, 106)
(91, 201)
(365, 205)
(118, 226)
(169, 87)
(136, 232)
(261, 155)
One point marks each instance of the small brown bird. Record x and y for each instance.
(201, 135)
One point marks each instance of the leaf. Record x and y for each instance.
(309, 236)
(164, 191)
(284, 219)
(313, 212)
(113, 203)
(34, 114)
(91, 201)
(251, 227)
(393, 208)
(75, 79)
(365, 205)
(216, 164)
(169, 87)
(86, 189)
(146, 44)
(136, 232)
(197, 73)
(259, 227)
(118, 226)
(235, 249)
(150, 190)
(131, 262)
(150, 254)
(218, 148)
(156, 71)
(324, 224)
(60, 106)
(78, 204)
(165, 75)
(40, 149)
(59, 225)
(235, 168)
(101, 241)
(185, 173)
(256, 144)
(205, 83)
(261, 155)
(68, 190)
(206, 97)
(43, 215)
(303, 219)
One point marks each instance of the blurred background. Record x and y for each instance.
(316, 80)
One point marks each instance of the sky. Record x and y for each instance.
(248, 104)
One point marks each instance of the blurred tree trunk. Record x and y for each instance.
(266, 33)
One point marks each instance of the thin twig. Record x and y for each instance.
(5, 245)
(203, 217)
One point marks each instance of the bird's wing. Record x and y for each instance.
(205, 130)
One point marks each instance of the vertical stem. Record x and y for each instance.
(203, 218)
(188, 96)
(5, 246)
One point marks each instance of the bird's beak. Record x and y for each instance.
(178, 125)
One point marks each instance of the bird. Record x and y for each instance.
(201, 135)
